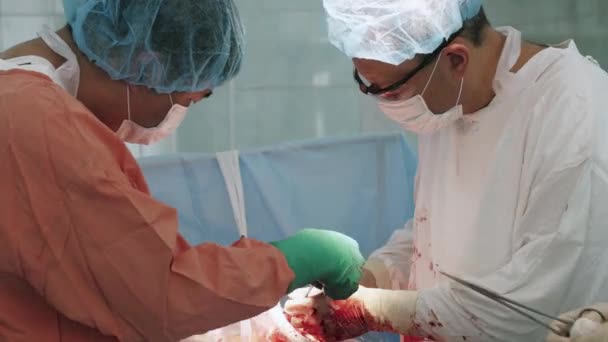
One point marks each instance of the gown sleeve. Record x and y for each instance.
(107, 253)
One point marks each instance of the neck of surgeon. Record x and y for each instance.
(479, 91)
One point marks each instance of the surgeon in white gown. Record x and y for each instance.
(512, 184)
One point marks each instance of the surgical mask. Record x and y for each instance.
(133, 133)
(68, 74)
(414, 115)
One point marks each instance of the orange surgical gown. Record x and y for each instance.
(85, 250)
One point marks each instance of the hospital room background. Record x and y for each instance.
(312, 150)
(294, 85)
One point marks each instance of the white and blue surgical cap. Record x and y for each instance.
(168, 46)
(394, 31)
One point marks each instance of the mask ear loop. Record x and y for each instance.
(432, 73)
(128, 103)
(460, 91)
(431, 77)
(458, 150)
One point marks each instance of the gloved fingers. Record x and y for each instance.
(571, 315)
(600, 335)
(347, 283)
(344, 286)
(593, 314)
(345, 319)
(303, 323)
(304, 316)
(574, 316)
(556, 338)
(563, 328)
(589, 313)
(584, 327)
(326, 319)
(601, 307)
(341, 292)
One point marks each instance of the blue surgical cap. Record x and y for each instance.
(394, 31)
(168, 46)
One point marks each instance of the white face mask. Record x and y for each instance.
(133, 133)
(68, 74)
(414, 115)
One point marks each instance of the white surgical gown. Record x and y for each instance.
(515, 198)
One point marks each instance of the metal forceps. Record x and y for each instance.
(513, 305)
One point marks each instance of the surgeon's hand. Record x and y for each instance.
(600, 334)
(320, 319)
(329, 258)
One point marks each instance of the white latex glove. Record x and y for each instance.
(588, 328)
(323, 320)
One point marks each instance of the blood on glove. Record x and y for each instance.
(320, 319)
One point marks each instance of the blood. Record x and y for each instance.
(278, 337)
(307, 328)
(351, 319)
(436, 322)
(415, 330)
(346, 319)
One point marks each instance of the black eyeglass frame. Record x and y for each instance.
(374, 89)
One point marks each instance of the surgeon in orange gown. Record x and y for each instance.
(86, 254)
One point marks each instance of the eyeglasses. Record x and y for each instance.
(374, 89)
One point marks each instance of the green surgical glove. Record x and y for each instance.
(323, 256)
